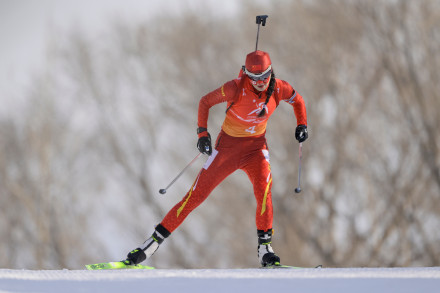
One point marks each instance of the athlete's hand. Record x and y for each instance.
(301, 133)
(204, 142)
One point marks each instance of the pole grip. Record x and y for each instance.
(260, 19)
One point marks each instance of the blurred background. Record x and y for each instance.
(99, 110)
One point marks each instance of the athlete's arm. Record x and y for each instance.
(296, 100)
(222, 94)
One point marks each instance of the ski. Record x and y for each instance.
(116, 265)
(119, 265)
(280, 266)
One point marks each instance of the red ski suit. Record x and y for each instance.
(241, 144)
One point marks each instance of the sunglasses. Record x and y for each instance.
(259, 76)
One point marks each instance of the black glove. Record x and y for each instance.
(301, 133)
(204, 142)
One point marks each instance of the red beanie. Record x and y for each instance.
(257, 62)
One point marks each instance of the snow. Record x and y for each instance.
(328, 280)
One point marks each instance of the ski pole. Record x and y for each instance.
(261, 19)
(164, 190)
(298, 189)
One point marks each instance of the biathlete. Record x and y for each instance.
(241, 144)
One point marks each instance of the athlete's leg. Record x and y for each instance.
(257, 167)
(222, 162)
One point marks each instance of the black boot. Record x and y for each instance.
(149, 247)
(266, 255)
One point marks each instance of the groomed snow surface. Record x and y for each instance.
(325, 280)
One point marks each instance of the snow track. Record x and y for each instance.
(357, 280)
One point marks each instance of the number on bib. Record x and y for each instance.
(251, 130)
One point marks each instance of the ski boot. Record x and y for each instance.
(148, 248)
(266, 254)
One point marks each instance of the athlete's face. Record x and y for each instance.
(261, 85)
(260, 81)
